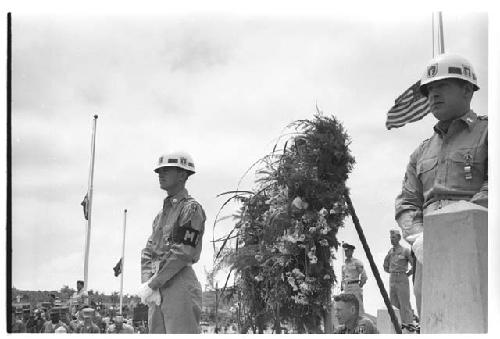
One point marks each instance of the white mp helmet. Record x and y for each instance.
(176, 159)
(446, 66)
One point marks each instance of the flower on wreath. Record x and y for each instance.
(291, 281)
(323, 212)
(259, 277)
(313, 259)
(300, 299)
(325, 230)
(304, 287)
(259, 257)
(298, 274)
(323, 242)
(326, 277)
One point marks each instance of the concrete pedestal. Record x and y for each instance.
(455, 271)
(384, 323)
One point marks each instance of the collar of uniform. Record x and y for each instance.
(174, 199)
(396, 247)
(468, 118)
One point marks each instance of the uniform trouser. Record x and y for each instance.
(400, 295)
(180, 309)
(358, 292)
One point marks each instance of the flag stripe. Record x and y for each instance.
(417, 111)
(408, 107)
(406, 112)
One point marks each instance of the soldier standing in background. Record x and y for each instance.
(353, 276)
(396, 264)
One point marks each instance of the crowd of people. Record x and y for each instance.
(85, 320)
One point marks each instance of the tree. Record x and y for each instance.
(66, 292)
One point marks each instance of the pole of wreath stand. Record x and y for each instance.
(123, 259)
(89, 207)
(374, 268)
(216, 307)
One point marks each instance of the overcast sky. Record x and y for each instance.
(219, 86)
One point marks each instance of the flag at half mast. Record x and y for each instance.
(118, 268)
(408, 107)
(85, 204)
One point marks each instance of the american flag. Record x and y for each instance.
(409, 107)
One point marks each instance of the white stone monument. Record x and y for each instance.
(455, 270)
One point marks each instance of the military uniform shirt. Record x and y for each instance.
(126, 329)
(363, 326)
(397, 260)
(176, 239)
(91, 328)
(451, 165)
(353, 270)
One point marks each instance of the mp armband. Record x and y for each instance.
(186, 235)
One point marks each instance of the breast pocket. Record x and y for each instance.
(426, 172)
(466, 169)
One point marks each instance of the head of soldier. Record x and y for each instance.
(173, 171)
(88, 314)
(395, 237)
(449, 82)
(346, 308)
(118, 321)
(54, 317)
(79, 285)
(348, 250)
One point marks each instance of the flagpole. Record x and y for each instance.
(441, 34)
(123, 259)
(89, 206)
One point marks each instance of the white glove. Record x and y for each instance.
(418, 247)
(148, 295)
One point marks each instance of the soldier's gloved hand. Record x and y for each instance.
(418, 247)
(148, 295)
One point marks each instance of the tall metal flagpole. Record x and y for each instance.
(89, 206)
(441, 34)
(123, 259)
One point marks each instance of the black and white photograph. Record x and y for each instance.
(250, 170)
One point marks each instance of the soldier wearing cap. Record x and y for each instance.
(353, 276)
(450, 166)
(119, 327)
(173, 247)
(396, 264)
(88, 325)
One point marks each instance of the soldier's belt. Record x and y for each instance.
(353, 282)
(157, 265)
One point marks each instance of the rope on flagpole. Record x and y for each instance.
(374, 268)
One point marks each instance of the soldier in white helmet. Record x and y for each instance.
(170, 286)
(452, 165)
